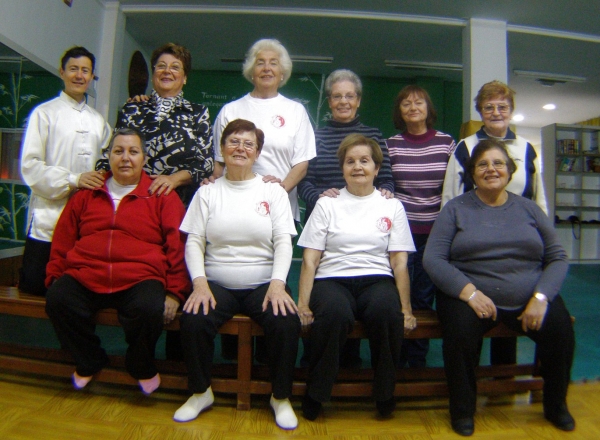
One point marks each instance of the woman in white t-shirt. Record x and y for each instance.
(289, 136)
(238, 253)
(354, 267)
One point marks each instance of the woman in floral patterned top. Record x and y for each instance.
(178, 132)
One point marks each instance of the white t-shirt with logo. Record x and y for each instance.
(289, 136)
(239, 221)
(356, 234)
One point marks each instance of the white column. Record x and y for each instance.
(109, 61)
(485, 58)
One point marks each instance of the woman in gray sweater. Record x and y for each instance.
(495, 257)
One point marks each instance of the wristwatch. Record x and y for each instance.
(541, 297)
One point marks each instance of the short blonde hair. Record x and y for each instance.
(268, 44)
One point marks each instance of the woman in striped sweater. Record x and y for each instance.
(419, 157)
(324, 178)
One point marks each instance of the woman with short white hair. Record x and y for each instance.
(289, 136)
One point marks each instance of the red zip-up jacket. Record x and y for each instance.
(108, 251)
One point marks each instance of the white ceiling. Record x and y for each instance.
(555, 36)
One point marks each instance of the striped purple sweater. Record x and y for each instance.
(418, 166)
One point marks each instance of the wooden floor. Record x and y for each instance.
(34, 408)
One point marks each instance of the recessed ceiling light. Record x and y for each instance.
(518, 117)
(549, 107)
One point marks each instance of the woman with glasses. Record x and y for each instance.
(324, 177)
(495, 103)
(178, 132)
(419, 156)
(495, 257)
(289, 137)
(238, 253)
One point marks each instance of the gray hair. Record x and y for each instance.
(268, 44)
(128, 132)
(343, 75)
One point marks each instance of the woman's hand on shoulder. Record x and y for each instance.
(138, 98)
(171, 306)
(201, 297)
(386, 193)
(533, 316)
(280, 300)
(331, 192)
(163, 184)
(208, 180)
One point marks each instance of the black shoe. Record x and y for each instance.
(310, 408)
(386, 407)
(561, 418)
(464, 427)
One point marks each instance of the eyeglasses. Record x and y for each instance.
(349, 97)
(235, 143)
(173, 68)
(502, 108)
(497, 165)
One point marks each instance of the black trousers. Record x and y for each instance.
(72, 308)
(336, 303)
(462, 335)
(198, 334)
(33, 273)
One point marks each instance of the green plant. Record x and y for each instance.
(8, 216)
(13, 91)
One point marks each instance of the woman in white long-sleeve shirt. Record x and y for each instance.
(238, 253)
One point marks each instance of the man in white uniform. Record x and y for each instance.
(62, 143)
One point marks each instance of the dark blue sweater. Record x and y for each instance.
(324, 170)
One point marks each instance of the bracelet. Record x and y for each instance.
(472, 296)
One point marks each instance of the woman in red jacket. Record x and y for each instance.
(117, 247)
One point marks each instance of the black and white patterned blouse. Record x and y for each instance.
(178, 137)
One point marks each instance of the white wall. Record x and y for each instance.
(42, 30)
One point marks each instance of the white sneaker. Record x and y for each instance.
(194, 406)
(284, 413)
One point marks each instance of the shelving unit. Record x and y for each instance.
(571, 159)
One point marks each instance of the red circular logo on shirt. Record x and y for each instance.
(384, 224)
(263, 208)
(278, 121)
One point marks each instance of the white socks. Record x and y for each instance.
(194, 406)
(284, 413)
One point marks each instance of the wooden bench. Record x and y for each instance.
(245, 378)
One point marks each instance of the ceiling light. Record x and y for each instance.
(518, 117)
(549, 79)
(397, 64)
(311, 59)
(549, 107)
(295, 59)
